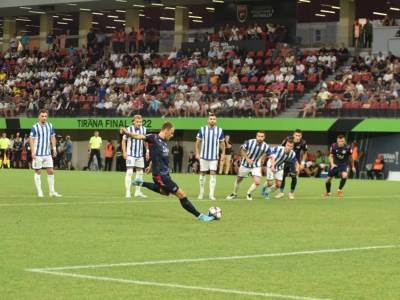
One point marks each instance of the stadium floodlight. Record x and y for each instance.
(25, 7)
(328, 11)
(37, 12)
(97, 13)
(138, 5)
(395, 8)
(121, 10)
(72, 4)
(67, 19)
(218, 1)
(62, 23)
(169, 8)
(119, 21)
(142, 15)
(22, 20)
(195, 17)
(112, 17)
(320, 15)
(304, 1)
(210, 8)
(335, 7)
(197, 21)
(55, 16)
(377, 13)
(95, 23)
(124, 1)
(156, 4)
(84, 9)
(111, 27)
(167, 18)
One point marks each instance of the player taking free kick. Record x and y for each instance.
(163, 183)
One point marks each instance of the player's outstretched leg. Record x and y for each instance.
(293, 186)
(328, 185)
(189, 207)
(282, 188)
(342, 183)
(236, 186)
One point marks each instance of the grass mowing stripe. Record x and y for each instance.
(180, 286)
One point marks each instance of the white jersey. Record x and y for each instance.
(210, 139)
(254, 152)
(281, 157)
(134, 147)
(42, 138)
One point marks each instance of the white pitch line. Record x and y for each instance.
(180, 286)
(49, 204)
(193, 260)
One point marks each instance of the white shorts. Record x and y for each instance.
(278, 175)
(135, 162)
(42, 162)
(208, 165)
(244, 172)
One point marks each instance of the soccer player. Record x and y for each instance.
(339, 157)
(159, 153)
(132, 150)
(209, 140)
(280, 155)
(300, 148)
(253, 152)
(42, 140)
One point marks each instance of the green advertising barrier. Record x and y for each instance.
(188, 124)
(378, 125)
(3, 124)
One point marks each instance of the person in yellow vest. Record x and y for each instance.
(109, 155)
(95, 143)
(4, 146)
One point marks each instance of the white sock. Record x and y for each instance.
(38, 183)
(202, 182)
(139, 175)
(50, 181)
(252, 188)
(236, 186)
(128, 180)
(213, 183)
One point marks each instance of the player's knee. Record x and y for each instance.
(50, 172)
(181, 194)
(345, 175)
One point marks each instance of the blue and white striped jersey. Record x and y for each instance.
(42, 138)
(210, 138)
(134, 147)
(281, 157)
(254, 152)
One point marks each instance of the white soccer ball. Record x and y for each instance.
(216, 212)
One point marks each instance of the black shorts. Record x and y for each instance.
(166, 184)
(338, 170)
(17, 155)
(2, 152)
(289, 169)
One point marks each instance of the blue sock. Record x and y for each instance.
(282, 189)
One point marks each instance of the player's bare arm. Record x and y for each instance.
(32, 145)
(303, 160)
(222, 146)
(243, 153)
(353, 167)
(123, 145)
(147, 154)
(198, 147)
(331, 161)
(54, 145)
(273, 162)
(298, 166)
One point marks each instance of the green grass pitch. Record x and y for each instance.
(93, 224)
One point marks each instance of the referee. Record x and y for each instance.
(95, 143)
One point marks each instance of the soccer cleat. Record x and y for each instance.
(211, 197)
(40, 195)
(231, 196)
(291, 196)
(200, 197)
(55, 194)
(205, 218)
(340, 193)
(128, 195)
(249, 197)
(140, 195)
(280, 195)
(137, 182)
(326, 194)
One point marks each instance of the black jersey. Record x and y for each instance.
(297, 147)
(341, 155)
(159, 154)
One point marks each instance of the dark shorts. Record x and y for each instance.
(167, 185)
(2, 152)
(337, 170)
(289, 169)
(17, 155)
(68, 156)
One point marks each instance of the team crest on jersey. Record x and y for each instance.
(343, 151)
(242, 13)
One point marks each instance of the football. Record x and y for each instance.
(216, 212)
